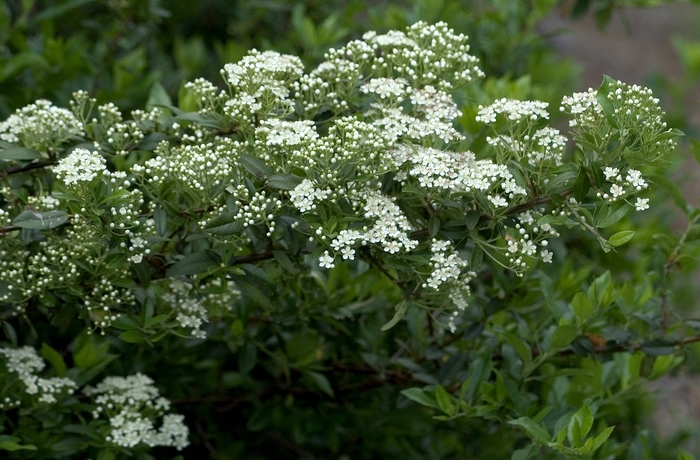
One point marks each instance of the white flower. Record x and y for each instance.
(498, 201)
(634, 178)
(546, 256)
(642, 204)
(512, 247)
(529, 248)
(617, 191)
(611, 173)
(326, 260)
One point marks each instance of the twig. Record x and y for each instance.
(29, 167)
(284, 443)
(210, 448)
(670, 262)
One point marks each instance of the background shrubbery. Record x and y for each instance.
(301, 368)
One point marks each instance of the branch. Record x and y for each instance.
(535, 202)
(29, 167)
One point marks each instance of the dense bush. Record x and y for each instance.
(391, 256)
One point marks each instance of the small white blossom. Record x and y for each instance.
(546, 256)
(642, 204)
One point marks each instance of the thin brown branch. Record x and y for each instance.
(535, 202)
(25, 168)
(286, 444)
(205, 440)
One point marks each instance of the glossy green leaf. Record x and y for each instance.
(400, 312)
(562, 336)
(34, 220)
(55, 358)
(536, 432)
(620, 238)
(191, 264)
(421, 397)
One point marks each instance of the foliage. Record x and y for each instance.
(392, 256)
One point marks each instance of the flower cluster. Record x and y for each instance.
(81, 165)
(622, 188)
(584, 107)
(426, 55)
(513, 110)
(193, 305)
(40, 126)
(305, 196)
(27, 364)
(131, 404)
(121, 136)
(201, 169)
(448, 275)
(527, 236)
(261, 84)
(459, 172)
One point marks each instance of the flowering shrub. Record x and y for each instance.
(302, 230)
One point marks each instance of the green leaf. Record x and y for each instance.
(284, 181)
(579, 425)
(400, 312)
(582, 306)
(191, 264)
(41, 220)
(563, 335)
(225, 224)
(247, 357)
(12, 443)
(555, 220)
(521, 347)
(69, 445)
(581, 185)
(695, 149)
(105, 454)
(525, 453)
(21, 61)
(614, 217)
(433, 225)
(55, 358)
(536, 432)
(663, 364)
(160, 217)
(199, 119)
(620, 238)
(126, 323)
(658, 347)
(20, 153)
(683, 455)
(421, 397)
(321, 382)
(158, 96)
(57, 10)
(672, 189)
(476, 258)
(255, 166)
(444, 400)
(284, 261)
(594, 444)
(132, 336)
(605, 103)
